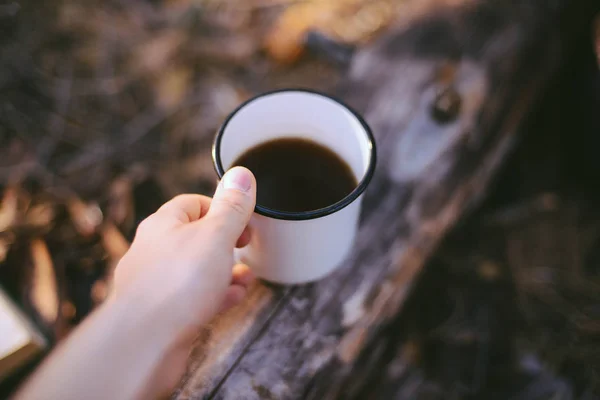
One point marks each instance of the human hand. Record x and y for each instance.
(176, 276)
(180, 262)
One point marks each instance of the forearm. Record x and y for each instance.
(112, 355)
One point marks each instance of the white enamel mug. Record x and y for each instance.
(299, 247)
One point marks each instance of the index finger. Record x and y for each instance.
(185, 208)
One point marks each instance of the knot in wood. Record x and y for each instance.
(446, 105)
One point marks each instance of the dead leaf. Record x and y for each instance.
(114, 242)
(44, 290)
(285, 41)
(489, 270)
(120, 207)
(86, 217)
(40, 216)
(154, 55)
(360, 25)
(115, 245)
(99, 292)
(352, 22)
(68, 310)
(225, 98)
(227, 50)
(8, 209)
(6, 241)
(172, 87)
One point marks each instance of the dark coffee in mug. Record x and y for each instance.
(297, 175)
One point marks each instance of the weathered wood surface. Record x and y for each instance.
(504, 309)
(313, 341)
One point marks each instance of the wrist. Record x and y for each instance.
(118, 352)
(156, 319)
(164, 344)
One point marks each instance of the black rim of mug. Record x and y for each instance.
(304, 215)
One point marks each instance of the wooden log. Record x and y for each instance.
(315, 341)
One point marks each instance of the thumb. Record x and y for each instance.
(233, 203)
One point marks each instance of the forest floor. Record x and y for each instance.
(108, 109)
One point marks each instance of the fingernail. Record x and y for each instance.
(238, 179)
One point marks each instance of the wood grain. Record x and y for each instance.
(313, 341)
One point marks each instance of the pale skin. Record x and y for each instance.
(178, 274)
